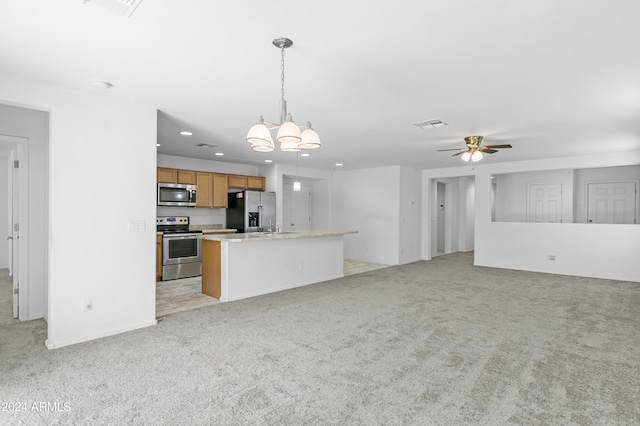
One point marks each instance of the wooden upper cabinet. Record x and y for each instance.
(220, 187)
(256, 182)
(204, 196)
(187, 177)
(237, 181)
(167, 175)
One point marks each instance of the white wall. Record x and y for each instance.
(320, 193)
(98, 146)
(368, 201)
(410, 205)
(4, 213)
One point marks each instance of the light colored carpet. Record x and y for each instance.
(433, 342)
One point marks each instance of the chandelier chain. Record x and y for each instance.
(282, 71)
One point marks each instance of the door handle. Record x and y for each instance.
(9, 237)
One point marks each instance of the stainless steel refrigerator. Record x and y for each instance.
(251, 211)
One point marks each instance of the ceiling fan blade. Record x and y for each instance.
(489, 151)
(458, 153)
(453, 149)
(498, 146)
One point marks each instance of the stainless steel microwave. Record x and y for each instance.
(175, 194)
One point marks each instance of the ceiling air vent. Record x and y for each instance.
(430, 124)
(121, 7)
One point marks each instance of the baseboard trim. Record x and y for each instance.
(53, 344)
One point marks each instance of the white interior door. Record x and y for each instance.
(544, 203)
(612, 202)
(440, 220)
(297, 208)
(17, 157)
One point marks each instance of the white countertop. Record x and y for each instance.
(218, 231)
(260, 236)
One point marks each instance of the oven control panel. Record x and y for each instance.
(172, 220)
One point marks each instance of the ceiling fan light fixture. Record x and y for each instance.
(466, 156)
(476, 156)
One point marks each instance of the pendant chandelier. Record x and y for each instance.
(289, 135)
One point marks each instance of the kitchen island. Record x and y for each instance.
(245, 265)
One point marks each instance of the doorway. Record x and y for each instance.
(25, 131)
(15, 167)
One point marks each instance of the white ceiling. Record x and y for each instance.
(552, 78)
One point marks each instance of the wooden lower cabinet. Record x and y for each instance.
(211, 268)
(158, 257)
(220, 188)
(204, 196)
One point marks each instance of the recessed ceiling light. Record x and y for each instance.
(339, 164)
(305, 155)
(186, 133)
(268, 161)
(219, 154)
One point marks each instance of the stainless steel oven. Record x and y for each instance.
(181, 248)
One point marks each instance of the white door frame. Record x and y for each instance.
(19, 215)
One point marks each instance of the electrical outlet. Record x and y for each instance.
(137, 226)
(87, 305)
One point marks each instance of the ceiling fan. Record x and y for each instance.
(474, 151)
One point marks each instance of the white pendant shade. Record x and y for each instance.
(477, 156)
(263, 148)
(290, 146)
(259, 135)
(289, 133)
(296, 186)
(310, 138)
(466, 156)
